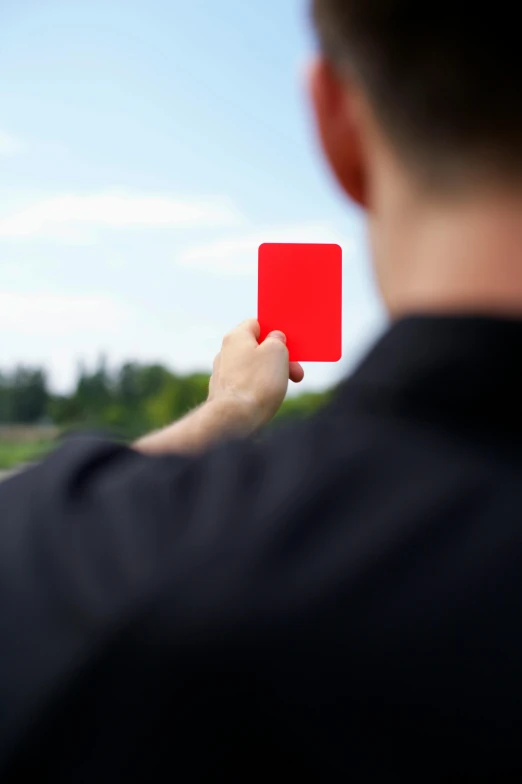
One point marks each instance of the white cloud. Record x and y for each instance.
(238, 255)
(44, 315)
(58, 217)
(8, 145)
(43, 334)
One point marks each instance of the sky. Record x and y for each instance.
(147, 148)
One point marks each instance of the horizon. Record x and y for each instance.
(146, 151)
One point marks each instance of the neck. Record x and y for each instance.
(453, 257)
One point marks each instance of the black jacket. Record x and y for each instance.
(342, 601)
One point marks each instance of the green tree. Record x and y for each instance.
(23, 396)
(128, 401)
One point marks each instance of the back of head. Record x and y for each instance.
(442, 78)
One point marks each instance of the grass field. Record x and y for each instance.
(14, 453)
(22, 444)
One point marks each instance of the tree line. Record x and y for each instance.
(128, 400)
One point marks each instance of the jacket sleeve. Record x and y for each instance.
(162, 559)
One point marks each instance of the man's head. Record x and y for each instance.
(418, 98)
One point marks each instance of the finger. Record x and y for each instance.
(246, 334)
(275, 341)
(296, 372)
(240, 336)
(277, 335)
(249, 328)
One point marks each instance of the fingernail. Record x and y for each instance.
(278, 336)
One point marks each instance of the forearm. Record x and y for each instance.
(211, 422)
(248, 385)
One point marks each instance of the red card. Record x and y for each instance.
(300, 294)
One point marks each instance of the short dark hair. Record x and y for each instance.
(443, 78)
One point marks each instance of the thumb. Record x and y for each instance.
(277, 335)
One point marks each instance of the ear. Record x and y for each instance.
(335, 112)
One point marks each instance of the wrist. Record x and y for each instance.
(241, 411)
(223, 415)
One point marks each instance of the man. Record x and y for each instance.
(343, 599)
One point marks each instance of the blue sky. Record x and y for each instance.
(147, 147)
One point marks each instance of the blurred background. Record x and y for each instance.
(147, 148)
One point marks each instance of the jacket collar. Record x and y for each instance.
(467, 369)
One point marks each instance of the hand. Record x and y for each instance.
(247, 387)
(254, 375)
